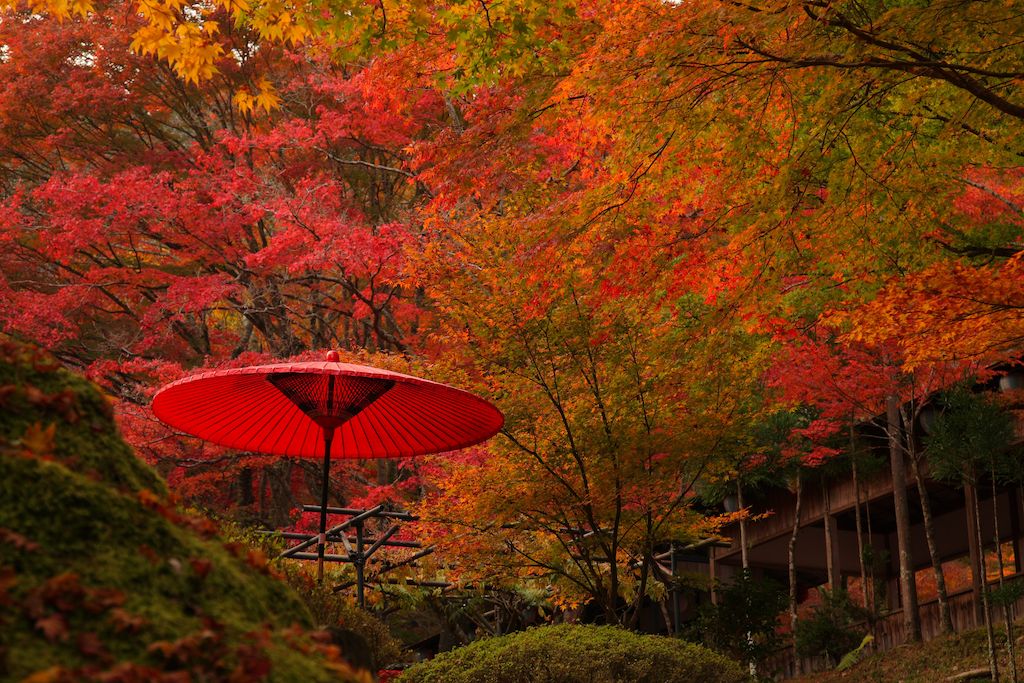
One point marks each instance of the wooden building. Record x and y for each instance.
(827, 551)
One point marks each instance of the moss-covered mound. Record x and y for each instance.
(101, 578)
(577, 654)
(36, 393)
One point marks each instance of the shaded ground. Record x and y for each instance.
(932, 662)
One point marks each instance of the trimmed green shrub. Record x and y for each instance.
(569, 653)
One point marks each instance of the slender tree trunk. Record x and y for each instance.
(797, 669)
(831, 570)
(908, 589)
(992, 661)
(1018, 561)
(945, 619)
(745, 559)
(713, 575)
(744, 556)
(872, 570)
(1007, 617)
(974, 551)
(263, 494)
(857, 518)
(282, 501)
(663, 604)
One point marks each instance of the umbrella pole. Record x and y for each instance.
(360, 562)
(322, 541)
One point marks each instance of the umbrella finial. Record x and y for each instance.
(332, 356)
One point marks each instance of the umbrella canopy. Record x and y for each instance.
(289, 408)
(326, 409)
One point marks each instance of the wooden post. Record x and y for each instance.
(713, 572)
(360, 563)
(325, 487)
(1013, 498)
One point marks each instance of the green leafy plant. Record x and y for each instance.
(855, 655)
(834, 629)
(743, 625)
(336, 610)
(969, 437)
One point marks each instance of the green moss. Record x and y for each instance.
(87, 440)
(577, 654)
(98, 572)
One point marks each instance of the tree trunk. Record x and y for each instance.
(908, 589)
(873, 569)
(831, 566)
(974, 551)
(792, 575)
(281, 502)
(663, 604)
(1007, 618)
(860, 526)
(263, 495)
(992, 661)
(713, 575)
(745, 559)
(945, 619)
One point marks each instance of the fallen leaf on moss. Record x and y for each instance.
(53, 627)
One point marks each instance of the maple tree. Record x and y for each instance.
(619, 397)
(604, 441)
(639, 227)
(150, 225)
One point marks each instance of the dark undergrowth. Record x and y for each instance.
(937, 660)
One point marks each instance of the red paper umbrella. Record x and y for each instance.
(326, 409)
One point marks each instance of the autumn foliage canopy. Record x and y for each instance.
(644, 230)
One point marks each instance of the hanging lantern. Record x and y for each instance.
(730, 503)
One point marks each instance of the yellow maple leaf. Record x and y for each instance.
(38, 439)
(244, 101)
(267, 99)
